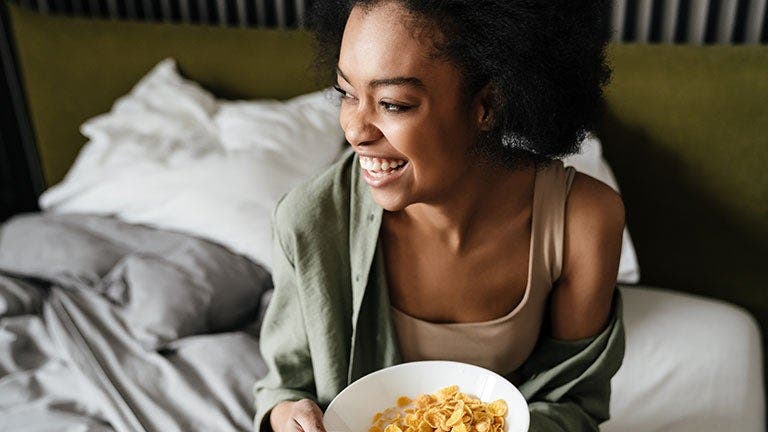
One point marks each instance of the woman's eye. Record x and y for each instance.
(394, 108)
(342, 93)
(388, 107)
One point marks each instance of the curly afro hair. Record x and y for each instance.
(545, 60)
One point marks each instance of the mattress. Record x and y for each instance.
(692, 364)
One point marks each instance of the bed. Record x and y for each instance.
(117, 313)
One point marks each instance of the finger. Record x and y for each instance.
(317, 411)
(292, 426)
(310, 423)
(308, 407)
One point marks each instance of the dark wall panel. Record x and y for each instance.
(17, 193)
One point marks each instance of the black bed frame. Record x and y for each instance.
(21, 178)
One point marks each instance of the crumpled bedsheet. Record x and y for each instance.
(109, 326)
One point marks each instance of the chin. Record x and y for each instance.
(388, 202)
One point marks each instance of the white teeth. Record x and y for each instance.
(379, 174)
(379, 165)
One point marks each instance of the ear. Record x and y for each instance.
(485, 104)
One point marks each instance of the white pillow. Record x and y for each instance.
(590, 161)
(299, 130)
(171, 156)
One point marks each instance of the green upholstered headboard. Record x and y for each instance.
(74, 68)
(686, 132)
(687, 136)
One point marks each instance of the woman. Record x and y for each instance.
(452, 230)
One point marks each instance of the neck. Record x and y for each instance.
(473, 207)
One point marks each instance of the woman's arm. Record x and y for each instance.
(283, 340)
(594, 223)
(582, 346)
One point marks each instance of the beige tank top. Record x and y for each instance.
(504, 343)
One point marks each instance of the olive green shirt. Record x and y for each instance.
(328, 322)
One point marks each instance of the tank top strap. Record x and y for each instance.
(549, 219)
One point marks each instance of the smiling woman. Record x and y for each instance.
(463, 235)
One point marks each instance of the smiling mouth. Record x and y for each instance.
(380, 167)
(383, 173)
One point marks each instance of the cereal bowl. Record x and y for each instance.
(354, 408)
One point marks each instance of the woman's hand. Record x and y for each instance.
(299, 416)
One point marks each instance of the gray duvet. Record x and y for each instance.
(106, 325)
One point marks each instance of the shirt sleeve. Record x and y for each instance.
(283, 341)
(568, 383)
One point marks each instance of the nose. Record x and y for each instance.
(358, 127)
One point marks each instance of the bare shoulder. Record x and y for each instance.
(594, 222)
(593, 206)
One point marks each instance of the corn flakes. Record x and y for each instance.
(446, 410)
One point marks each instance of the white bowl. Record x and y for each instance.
(353, 408)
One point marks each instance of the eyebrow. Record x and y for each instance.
(394, 81)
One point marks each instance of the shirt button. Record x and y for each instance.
(370, 217)
(357, 278)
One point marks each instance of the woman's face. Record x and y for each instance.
(402, 106)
